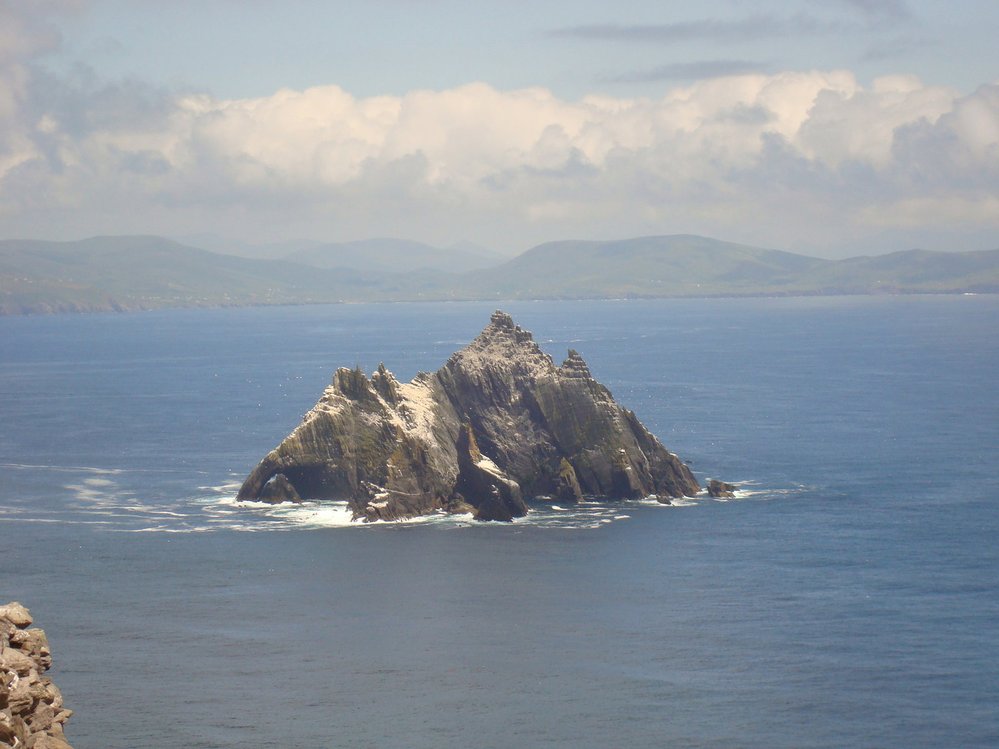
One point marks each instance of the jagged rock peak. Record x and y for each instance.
(502, 327)
(575, 367)
(385, 384)
(351, 380)
(502, 345)
(501, 319)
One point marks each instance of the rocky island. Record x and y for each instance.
(497, 424)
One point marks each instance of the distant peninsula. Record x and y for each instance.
(497, 425)
(125, 273)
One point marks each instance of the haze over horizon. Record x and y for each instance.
(825, 128)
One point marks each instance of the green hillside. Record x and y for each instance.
(904, 272)
(679, 265)
(123, 273)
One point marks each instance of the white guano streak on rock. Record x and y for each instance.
(417, 404)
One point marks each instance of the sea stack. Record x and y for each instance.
(498, 424)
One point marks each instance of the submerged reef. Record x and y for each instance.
(497, 424)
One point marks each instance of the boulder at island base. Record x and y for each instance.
(498, 423)
(721, 490)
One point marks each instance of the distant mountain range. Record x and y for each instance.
(145, 272)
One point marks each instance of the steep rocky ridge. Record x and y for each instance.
(31, 710)
(497, 423)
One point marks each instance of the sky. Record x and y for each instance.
(828, 127)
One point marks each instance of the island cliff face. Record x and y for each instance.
(498, 423)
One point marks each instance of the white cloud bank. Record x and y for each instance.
(810, 160)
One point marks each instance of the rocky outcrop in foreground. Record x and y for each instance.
(498, 423)
(31, 710)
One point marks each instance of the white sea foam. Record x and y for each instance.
(240, 515)
(682, 502)
(675, 502)
(98, 482)
(216, 508)
(230, 487)
(164, 529)
(768, 493)
(157, 513)
(59, 521)
(70, 469)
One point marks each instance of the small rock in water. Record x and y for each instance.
(720, 489)
(278, 490)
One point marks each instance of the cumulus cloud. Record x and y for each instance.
(22, 36)
(25, 31)
(804, 159)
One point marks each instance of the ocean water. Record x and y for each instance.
(849, 597)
